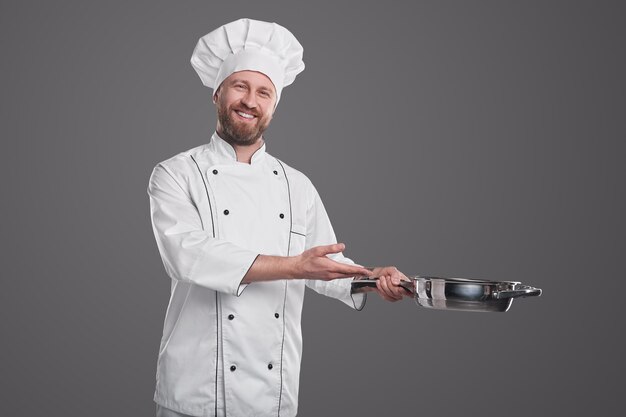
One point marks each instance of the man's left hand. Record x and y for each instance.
(388, 283)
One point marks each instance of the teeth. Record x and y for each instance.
(246, 115)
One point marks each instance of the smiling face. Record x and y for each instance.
(245, 104)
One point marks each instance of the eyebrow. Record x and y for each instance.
(238, 80)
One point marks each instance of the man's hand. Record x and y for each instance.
(311, 264)
(388, 283)
(314, 264)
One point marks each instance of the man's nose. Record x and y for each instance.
(249, 100)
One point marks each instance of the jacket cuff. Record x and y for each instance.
(358, 300)
(242, 285)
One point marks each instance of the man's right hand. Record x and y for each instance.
(315, 264)
(311, 264)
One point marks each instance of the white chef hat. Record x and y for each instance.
(247, 44)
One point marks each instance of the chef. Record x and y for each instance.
(241, 234)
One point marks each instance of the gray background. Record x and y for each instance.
(475, 139)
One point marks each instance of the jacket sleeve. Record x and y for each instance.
(189, 252)
(320, 232)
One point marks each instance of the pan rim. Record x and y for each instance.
(463, 280)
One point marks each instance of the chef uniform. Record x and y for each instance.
(230, 348)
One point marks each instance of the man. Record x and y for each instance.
(241, 234)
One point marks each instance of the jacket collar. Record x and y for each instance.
(226, 152)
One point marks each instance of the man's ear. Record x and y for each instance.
(216, 94)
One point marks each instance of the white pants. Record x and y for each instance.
(166, 412)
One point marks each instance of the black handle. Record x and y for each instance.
(361, 285)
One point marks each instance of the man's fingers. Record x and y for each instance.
(323, 267)
(338, 269)
(391, 291)
(384, 288)
(383, 294)
(395, 287)
(328, 249)
(350, 270)
(389, 283)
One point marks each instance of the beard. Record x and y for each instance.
(237, 132)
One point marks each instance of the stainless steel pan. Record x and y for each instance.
(458, 293)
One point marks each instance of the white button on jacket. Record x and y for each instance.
(230, 348)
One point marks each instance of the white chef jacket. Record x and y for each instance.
(230, 348)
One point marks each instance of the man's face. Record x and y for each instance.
(245, 104)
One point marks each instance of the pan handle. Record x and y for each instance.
(519, 291)
(361, 285)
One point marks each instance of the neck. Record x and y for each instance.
(244, 152)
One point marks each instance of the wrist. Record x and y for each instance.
(292, 267)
